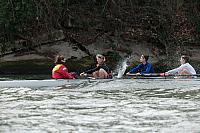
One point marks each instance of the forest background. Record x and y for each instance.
(32, 32)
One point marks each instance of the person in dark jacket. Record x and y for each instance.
(143, 68)
(101, 70)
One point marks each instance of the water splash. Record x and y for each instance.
(122, 68)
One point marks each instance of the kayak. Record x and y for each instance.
(33, 83)
(47, 82)
(163, 76)
(6, 83)
(71, 82)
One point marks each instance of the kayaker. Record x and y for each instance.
(143, 68)
(60, 71)
(101, 70)
(184, 69)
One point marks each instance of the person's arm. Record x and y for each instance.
(135, 69)
(92, 70)
(176, 70)
(64, 72)
(147, 70)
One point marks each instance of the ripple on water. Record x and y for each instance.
(103, 106)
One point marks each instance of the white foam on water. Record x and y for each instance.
(122, 68)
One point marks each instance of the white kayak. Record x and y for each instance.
(69, 82)
(34, 83)
(46, 82)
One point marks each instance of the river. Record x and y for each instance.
(118, 105)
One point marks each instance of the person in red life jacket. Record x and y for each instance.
(101, 70)
(60, 71)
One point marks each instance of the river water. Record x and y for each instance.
(118, 105)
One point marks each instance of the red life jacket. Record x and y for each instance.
(61, 72)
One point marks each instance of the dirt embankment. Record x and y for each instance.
(40, 60)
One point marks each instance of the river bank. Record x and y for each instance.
(40, 61)
(43, 66)
(164, 30)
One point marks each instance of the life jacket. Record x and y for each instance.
(60, 71)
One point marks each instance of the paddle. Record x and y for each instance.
(144, 75)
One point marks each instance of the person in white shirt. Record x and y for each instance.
(184, 69)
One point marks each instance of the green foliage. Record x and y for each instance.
(3, 11)
(194, 17)
(195, 20)
(26, 17)
(15, 18)
(113, 56)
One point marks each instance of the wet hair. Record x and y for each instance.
(59, 59)
(146, 57)
(101, 57)
(186, 58)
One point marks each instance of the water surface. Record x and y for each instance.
(119, 105)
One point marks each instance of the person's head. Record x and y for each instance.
(144, 58)
(60, 59)
(100, 59)
(184, 59)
